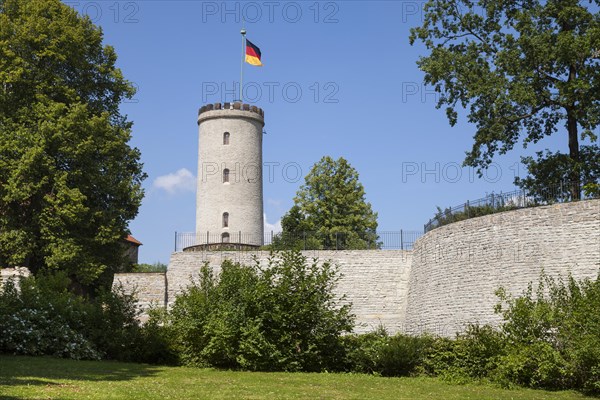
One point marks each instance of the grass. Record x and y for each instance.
(49, 378)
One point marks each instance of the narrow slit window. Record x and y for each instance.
(225, 237)
(225, 220)
(226, 176)
(226, 138)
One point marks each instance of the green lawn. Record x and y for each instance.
(48, 378)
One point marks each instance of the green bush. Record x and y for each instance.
(446, 216)
(441, 360)
(282, 317)
(553, 336)
(549, 338)
(39, 329)
(403, 355)
(362, 351)
(112, 325)
(380, 354)
(473, 354)
(42, 317)
(155, 343)
(536, 365)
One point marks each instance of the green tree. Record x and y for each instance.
(330, 210)
(519, 67)
(550, 170)
(156, 267)
(69, 181)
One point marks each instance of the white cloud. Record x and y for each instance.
(180, 181)
(274, 202)
(275, 228)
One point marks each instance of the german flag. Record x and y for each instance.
(252, 54)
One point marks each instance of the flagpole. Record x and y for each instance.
(243, 32)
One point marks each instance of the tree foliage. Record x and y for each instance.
(553, 169)
(144, 267)
(280, 317)
(69, 181)
(519, 67)
(330, 210)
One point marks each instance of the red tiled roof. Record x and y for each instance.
(133, 240)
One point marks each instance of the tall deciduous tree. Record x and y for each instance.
(69, 181)
(331, 208)
(520, 67)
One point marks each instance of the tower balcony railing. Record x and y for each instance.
(383, 240)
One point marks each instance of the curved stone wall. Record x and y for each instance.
(457, 268)
(445, 282)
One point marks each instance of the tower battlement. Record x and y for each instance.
(232, 106)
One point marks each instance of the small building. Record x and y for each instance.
(132, 246)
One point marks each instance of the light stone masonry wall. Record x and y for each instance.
(149, 288)
(14, 273)
(375, 282)
(457, 268)
(447, 280)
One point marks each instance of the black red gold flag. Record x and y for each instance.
(253, 54)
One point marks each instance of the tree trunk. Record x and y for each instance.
(573, 143)
(574, 155)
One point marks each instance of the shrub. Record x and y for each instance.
(282, 317)
(380, 354)
(446, 216)
(363, 351)
(403, 355)
(43, 320)
(112, 324)
(442, 360)
(537, 365)
(155, 344)
(43, 317)
(549, 338)
(478, 350)
(553, 337)
(473, 354)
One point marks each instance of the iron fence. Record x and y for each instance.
(498, 202)
(384, 240)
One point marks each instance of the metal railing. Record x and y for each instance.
(384, 240)
(498, 202)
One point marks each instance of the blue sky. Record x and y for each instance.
(339, 79)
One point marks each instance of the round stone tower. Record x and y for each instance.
(229, 201)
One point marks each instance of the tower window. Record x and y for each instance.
(225, 238)
(226, 176)
(226, 138)
(225, 220)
